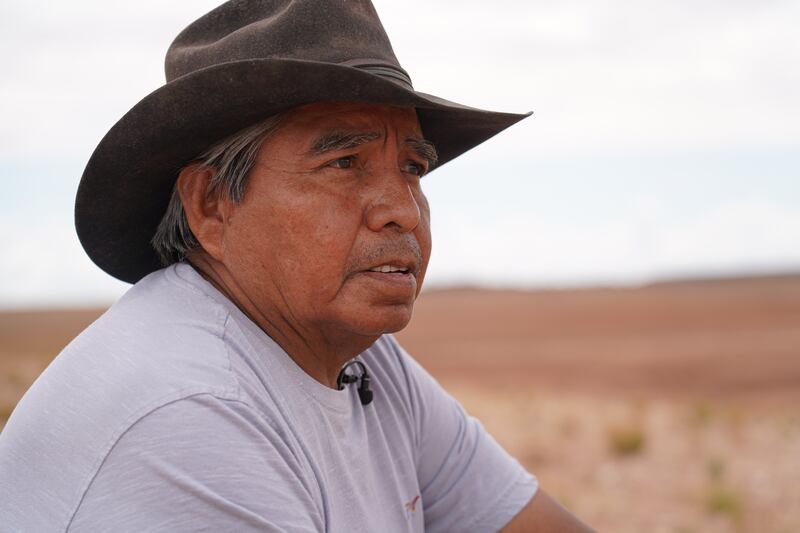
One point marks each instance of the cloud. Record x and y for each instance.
(619, 76)
(613, 76)
(528, 250)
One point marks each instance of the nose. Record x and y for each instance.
(394, 204)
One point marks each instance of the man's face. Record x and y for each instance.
(333, 233)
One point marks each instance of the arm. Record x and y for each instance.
(543, 514)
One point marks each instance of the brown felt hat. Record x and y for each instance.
(238, 64)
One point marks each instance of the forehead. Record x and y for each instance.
(313, 119)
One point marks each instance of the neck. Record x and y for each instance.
(320, 354)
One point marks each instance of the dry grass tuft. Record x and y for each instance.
(719, 498)
(723, 500)
(626, 440)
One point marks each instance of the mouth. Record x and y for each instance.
(394, 274)
(389, 269)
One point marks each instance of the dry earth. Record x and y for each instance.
(671, 408)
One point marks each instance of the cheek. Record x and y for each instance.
(316, 238)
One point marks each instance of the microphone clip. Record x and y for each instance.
(364, 392)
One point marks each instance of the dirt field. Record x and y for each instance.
(669, 408)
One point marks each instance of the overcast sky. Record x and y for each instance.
(665, 140)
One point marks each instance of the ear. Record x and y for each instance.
(206, 213)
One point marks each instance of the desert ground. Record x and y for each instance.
(673, 407)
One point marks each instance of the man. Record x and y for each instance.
(252, 385)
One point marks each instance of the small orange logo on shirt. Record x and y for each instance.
(411, 506)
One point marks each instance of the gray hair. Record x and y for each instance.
(230, 162)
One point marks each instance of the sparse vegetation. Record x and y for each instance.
(626, 440)
(723, 500)
(720, 498)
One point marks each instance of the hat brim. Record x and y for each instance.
(127, 183)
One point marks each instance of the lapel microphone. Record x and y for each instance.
(364, 394)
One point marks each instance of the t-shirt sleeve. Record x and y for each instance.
(468, 481)
(199, 464)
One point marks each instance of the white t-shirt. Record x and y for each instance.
(175, 412)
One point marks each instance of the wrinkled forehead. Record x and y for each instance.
(345, 116)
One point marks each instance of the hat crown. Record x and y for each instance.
(331, 31)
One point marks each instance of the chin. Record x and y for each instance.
(378, 322)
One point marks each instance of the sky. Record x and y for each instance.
(665, 140)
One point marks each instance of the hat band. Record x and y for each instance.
(384, 70)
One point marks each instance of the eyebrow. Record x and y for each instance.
(341, 140)
(423, 148)
(344, 140)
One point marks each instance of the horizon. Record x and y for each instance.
(667, 282)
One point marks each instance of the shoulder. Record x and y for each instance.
(200, 463)
(459, 465)
(160, 343)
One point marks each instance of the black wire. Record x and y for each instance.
(346, 379)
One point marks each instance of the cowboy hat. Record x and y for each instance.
(238, 64)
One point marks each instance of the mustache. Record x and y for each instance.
(403, 246)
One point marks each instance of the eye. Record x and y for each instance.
(417, 169)
(343, 162)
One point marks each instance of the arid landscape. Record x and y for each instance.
(668, 408)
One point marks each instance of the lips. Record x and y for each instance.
(388, 269)
(397, 265)
(393, 277)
